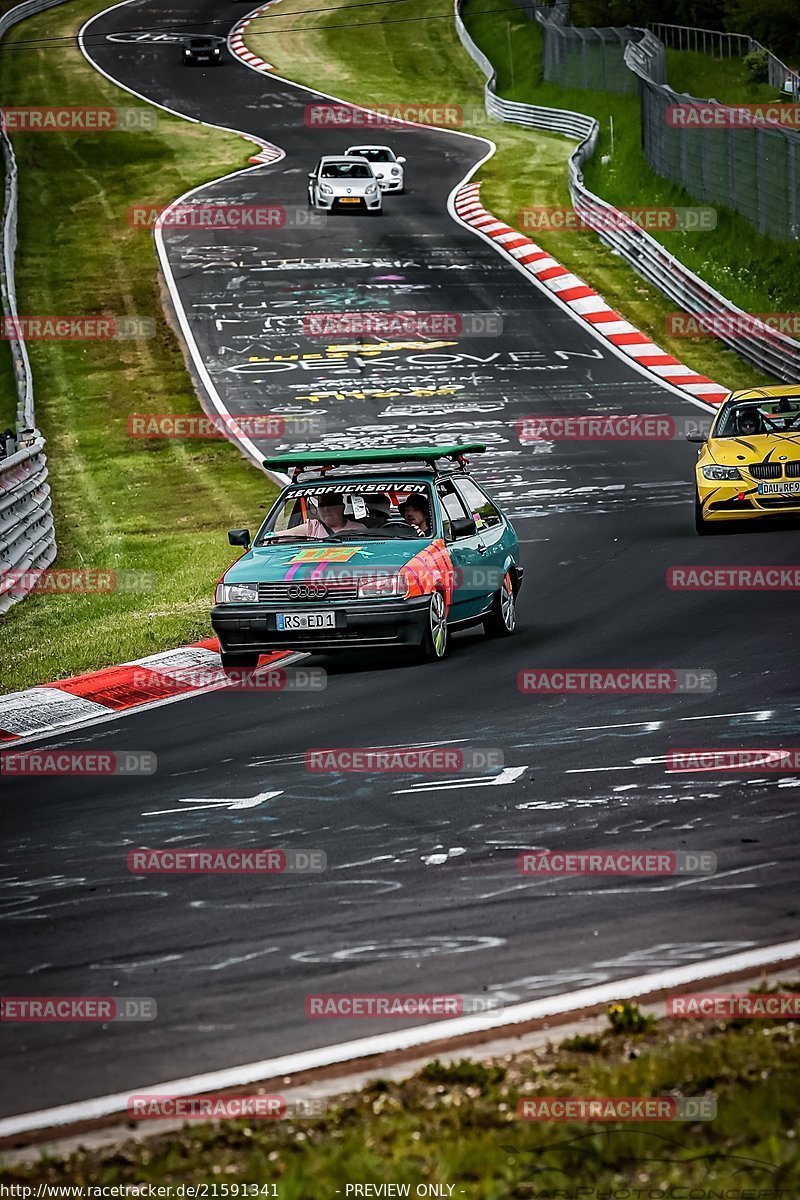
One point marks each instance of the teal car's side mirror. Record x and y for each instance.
(463, 527)
(239, 537)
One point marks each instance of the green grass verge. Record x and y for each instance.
(120, 503)
(724, 79)
(458, 1126)
(420, 60)
(8, 391)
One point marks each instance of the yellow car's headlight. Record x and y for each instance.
(721, 472)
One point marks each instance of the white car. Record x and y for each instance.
(385, 163)
(338, 183)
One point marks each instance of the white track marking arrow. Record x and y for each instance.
(231, 805)
(507, 775)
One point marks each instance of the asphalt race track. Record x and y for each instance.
(422, 892)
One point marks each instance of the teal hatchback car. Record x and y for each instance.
(367, 548)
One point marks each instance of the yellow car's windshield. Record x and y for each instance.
(754, 417)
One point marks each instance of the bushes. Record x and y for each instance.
(757, 65)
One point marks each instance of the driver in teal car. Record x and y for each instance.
(330, 519)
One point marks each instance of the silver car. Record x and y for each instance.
(339, 183)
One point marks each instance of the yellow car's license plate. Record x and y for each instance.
(779, 489)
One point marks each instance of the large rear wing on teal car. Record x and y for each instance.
(328, 460)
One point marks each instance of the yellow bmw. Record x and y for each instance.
(749, 463)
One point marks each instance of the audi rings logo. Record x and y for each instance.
(308, 591)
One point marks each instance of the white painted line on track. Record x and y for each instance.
(406, 1039)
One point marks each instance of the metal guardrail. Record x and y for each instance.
(551, 120)
(27, 535)
(767, 349)
(648, 53)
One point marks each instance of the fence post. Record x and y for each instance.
(760, 191)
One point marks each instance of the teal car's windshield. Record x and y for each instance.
(345, 511)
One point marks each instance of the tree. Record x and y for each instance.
(773, 22)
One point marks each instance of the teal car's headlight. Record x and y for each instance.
(721, 473)
(236, 593)
(378, 586)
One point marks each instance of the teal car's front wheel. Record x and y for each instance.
(502, 620)
(436, 638)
